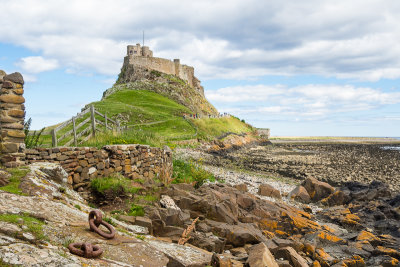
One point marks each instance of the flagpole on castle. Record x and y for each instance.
(143, 38)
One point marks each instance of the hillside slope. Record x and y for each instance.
(167, 85)
(153, 119)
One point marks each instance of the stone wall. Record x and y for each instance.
(84, 163)
(167, 66)
(12, 118)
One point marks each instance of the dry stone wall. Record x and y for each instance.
(12, 117)
(85, 163)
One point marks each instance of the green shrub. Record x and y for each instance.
(136, 210)
(32, 139)
(193, 173)
(116, 183)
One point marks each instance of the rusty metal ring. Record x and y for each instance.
(96, 216)
(86, 250)
(95, 228)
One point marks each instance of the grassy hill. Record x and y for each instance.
(153, 119)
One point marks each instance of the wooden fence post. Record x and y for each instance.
(118, 126)
(74, 130)
(53, 138)
(105, 118)
(93, 120)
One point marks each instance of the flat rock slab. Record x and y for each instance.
(183, 256)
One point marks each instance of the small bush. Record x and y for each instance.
(136, 210)
(191, 172)
(32, 140)
(116, 183)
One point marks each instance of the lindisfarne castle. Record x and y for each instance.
(142, 71)
(142, 57)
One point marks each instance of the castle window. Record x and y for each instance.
(135, 52)
(130, 52)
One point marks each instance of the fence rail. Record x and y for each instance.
(79, 130)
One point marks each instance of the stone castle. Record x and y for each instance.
(142, 57)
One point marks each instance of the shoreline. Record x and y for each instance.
(333, 140)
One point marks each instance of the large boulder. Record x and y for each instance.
(289, 254)
(317, 189)
(260, 256)
(300, 194)
(237, 235)
(269, 191)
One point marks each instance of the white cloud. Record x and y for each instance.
(231, 39)
(37, 64)
(308, 101)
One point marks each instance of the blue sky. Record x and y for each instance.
(298, 67)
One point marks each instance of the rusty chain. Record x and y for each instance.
(95, 219)
(86, 250)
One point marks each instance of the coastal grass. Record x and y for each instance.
(190, 173)
(34, 226)
(16, 175)
(115, 183)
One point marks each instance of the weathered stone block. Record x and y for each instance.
(16, 113)
(15, 133)
(18, 91)
(15, 77)
(7, 84)
(13, 99)
(9, 147)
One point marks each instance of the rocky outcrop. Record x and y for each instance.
(63, 218)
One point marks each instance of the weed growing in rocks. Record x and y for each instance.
(191, 173)
(136, 210)
(16, 175)
(78, 207)
(33, 225)
(115, 183)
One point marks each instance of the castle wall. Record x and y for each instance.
(167, 66)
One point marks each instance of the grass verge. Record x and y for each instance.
(16, 175)
(115, 183)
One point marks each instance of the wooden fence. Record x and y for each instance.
(79, 130)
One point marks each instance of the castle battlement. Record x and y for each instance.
(142, 56)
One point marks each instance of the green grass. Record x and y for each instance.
(116, 183)
(16, 175)
(34, 225)
(136, 210)
(151, 119)
(210, 128)
(191, 173)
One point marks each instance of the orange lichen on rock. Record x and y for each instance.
(269, 225)
(324, 258)
(309, 249)
(281, 233)
(367, 236)
(268, 234)
(301, 223)
(356, 261)
(316, 264)
(331, 238)
(388, 251)
(328, 229)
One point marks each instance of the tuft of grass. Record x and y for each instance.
(16, 175)
(191, 173)
(116, 183)
(110, 221)
(148, 198)
(136, 210)
(34, 226)
(78, 207)
(67, 241)
(141, 237)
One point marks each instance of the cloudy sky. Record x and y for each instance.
(313, 67)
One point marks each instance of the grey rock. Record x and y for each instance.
(15, 77)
